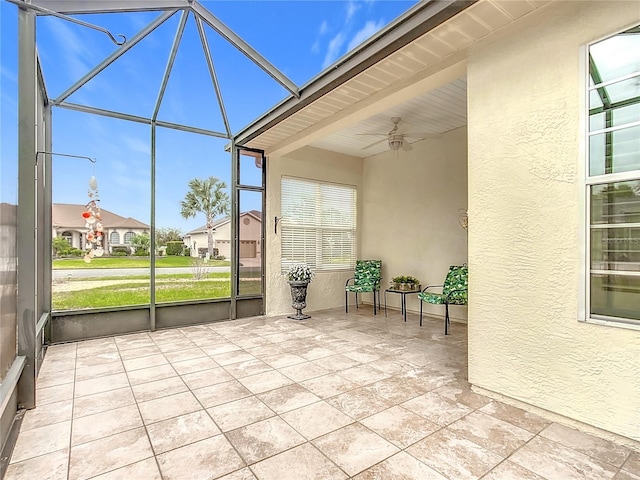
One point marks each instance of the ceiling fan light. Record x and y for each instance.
(395, 142)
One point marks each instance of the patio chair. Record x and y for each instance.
(454, 292)
(366, 279)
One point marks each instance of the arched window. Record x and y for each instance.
(128, 237)
(68, 236)
(114, 238)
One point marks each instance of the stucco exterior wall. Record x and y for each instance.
(327, 288)
(526, 151)
(410, 214)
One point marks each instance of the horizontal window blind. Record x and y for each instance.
(318, 225)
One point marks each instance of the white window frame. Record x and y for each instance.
(584, 310)
(290, 224)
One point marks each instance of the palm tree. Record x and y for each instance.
(206, 196)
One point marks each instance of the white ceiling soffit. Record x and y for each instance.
(367, 101)
(434, 112)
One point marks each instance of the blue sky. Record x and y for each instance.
(300, 38)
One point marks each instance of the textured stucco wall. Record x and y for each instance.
(327, 288)
(410, 213)
(525, 177)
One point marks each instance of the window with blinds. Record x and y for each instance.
(318, 225)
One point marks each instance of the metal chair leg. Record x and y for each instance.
(420, 312)
(346, 301)
(446, 319)
(374, 302)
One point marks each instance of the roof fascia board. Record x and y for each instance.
(71, 7)
(423, 18)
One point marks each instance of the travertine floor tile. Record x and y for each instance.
(399, 426)
(359, 403)
(316, 419)
(264, 439)
(205, 378)
(145, 469)
(436, 408)
(156, 360)
(192, 353)
(52, 466)
(633, 463)
(101, 402)
(168, 407)
(454, 456)
(180, 431)
(288, 398)
(595, 447)
(232, 415)
(401, 466)
(56, 378)
(55, 394)
(304, 462)
(221, 393)
(101, 384)
(496, 435)
(281, 360)
(41, 440)
(47, 414)
(92, 427)
(158, 388)
(151, 374)
(553, 460)
(263, 382)
(516, 416)
(247, 368)
(462, 394)
(329, 385)
(109, 453)
(210, 458)
(194, 365)
(355, 448)
(510, 471)
(363, 375)
(395, 389)
(99, 370)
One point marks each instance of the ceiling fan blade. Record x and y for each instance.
(406, 146)
(374, 144)
(422, 135)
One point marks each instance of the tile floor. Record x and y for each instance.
(334, 397)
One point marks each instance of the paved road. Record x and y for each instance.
(122, 272)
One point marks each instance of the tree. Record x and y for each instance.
(169, 234)
(142, 241)
(60, 246)
(206, 196)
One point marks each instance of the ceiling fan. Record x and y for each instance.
(397, 139)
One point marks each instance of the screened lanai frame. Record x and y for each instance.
(36, 322)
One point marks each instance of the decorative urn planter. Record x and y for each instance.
(299, 299)
(299, 277)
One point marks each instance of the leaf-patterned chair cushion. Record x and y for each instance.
(366, 276)
(454, 290)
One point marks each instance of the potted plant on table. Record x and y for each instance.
(299, 276)
(405, 283)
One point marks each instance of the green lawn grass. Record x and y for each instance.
(169, 288)
(133, 262)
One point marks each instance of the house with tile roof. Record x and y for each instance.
(67, 222)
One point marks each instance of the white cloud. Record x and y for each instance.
(73, 49)
(352, 8)
(324, 28)
(333, 51)
(364, 33)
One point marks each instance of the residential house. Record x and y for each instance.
(67, 222)
(250, 224)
